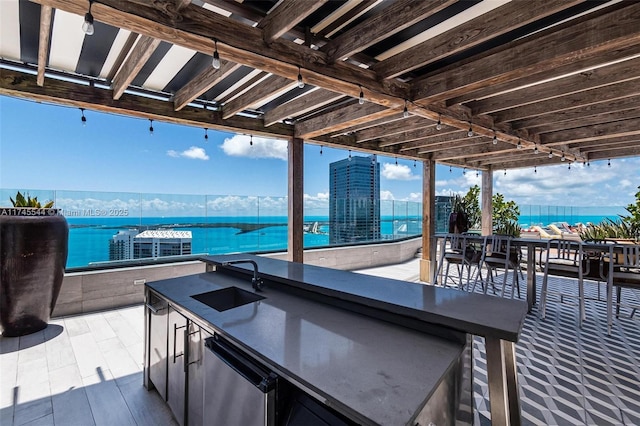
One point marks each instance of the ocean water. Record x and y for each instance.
(89, 237)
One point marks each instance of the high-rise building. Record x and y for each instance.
(154, 243)
(354, 200)
(121, 244)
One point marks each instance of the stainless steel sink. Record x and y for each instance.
(227, 298)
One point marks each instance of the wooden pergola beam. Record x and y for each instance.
(268, 88)
(204, 81)
(414, 134)
(301, 105)
(285, 16)
(340, 118)
(139, 56)
(390, 20)
(392, 128)
(588, 121)
(436, 141)
(595, 132)
(615, 30)
(24, 86)
(469, 34)
(46, 19)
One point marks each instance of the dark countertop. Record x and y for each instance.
(473, 313)
(378, 372)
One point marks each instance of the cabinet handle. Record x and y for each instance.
(185, 360)
(154, 309)
(175, 336)
(189, 350)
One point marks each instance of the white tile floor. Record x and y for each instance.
(87, 370)
(81, 370)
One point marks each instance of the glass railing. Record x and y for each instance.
(541, 215)
(108, 228)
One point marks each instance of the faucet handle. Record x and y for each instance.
(257, 283)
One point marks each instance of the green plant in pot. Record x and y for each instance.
(33, 255)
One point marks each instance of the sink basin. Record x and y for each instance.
(227, 298)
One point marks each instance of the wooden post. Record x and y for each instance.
(487, 203)
(428, 261)
(295, 202)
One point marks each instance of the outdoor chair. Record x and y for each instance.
(626, 273)
(565, 258)
(499, 254)
(459, 250)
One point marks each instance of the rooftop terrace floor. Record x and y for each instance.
(87, 369)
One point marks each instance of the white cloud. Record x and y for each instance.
(398, 172)
(193, 153)
(240, 146)
(415, 196)
(316, 205)
(386, 195)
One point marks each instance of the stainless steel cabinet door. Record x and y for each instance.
(195, 374)
(176, 394)
(158, 342)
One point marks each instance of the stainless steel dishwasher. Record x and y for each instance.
(237, 390)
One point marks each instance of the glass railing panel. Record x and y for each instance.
(233, 224)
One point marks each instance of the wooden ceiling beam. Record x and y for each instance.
(286, 15)
(469, 34)
(204, 81)
(588, 121)
(589, 133)
(24, 86)
(139, 56)
(341, 118)
(390, 20)
(631, 150)
(363, 127)
(608, 31)
(577, 114)
(595, 144)
(239, 90)
(480, 149)
(347, 17)
(46, 19)
(587, 80)
(195, 28)
(578, 65)
(259, 94)
(415, 134)
(301, 105)
(587, 97)
(434, 141)
(393, 127)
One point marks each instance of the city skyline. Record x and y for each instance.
(114, 153)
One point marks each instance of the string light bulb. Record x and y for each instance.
(535, 169)
(87, 25)
(361, 98)
(349, 155)
(151, 127)
(588, 164)
(300, 82)
(470, 132)
(83, 119)
(550, 154)
(206, 136)
(215, 62)
(464, 171)
(505, 172)
(562, 158)
(535, 150)
(405, 112)
(414, 163)
(450, 171)
(495, 138)
(396, 161)
(519, 145)
(609, 162)
(439, 124)
(569, 165)
(251, 140)
(320, 149)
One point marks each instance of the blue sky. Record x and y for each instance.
(46, 147)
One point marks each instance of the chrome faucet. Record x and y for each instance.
(256, 281)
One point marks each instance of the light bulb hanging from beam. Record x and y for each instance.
(87, 25)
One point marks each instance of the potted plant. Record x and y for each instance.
(33, 255)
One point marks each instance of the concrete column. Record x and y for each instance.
(295, 202)
(487, 203)
(428, 261)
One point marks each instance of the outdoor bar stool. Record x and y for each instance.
(456, 249)
(565, 258)
(498, 253)
(625, 272)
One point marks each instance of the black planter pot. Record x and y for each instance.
(33, 252)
